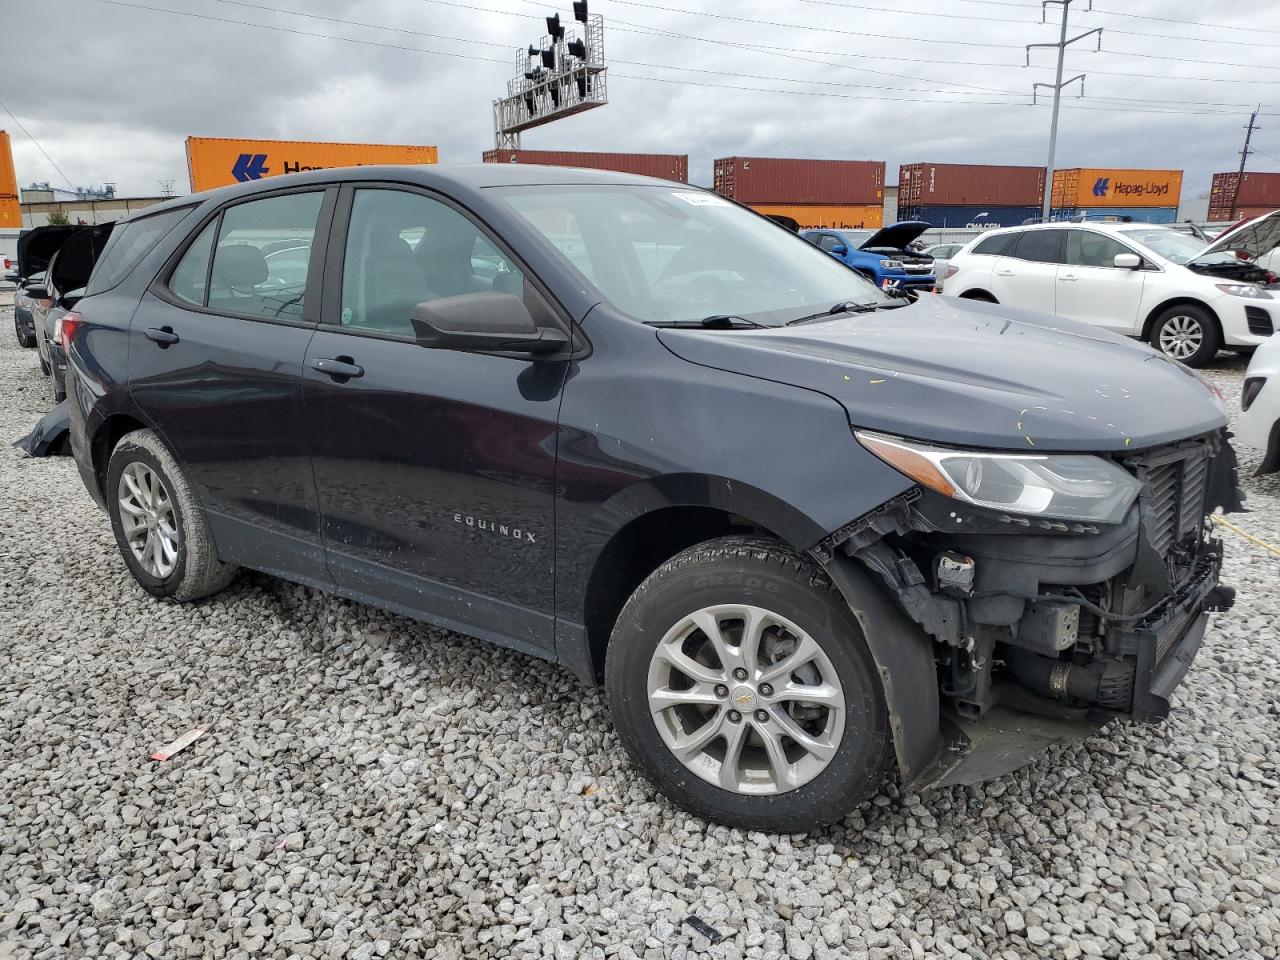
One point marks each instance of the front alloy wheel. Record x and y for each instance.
(1187, 334)
(741, 683)
(746, 699)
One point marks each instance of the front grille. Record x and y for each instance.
(1259, 321)
(1173, 494)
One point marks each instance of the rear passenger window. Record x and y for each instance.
(996, 245)
(192, 273)
(1040, 246)
(261, 260)
(129, 243)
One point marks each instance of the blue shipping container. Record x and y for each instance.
(1139, 214)
(969, 216)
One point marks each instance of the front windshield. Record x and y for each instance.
(1171, 244)
(671, 255)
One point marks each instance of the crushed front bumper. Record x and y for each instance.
(1006, 738)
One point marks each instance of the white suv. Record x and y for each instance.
(1143, 280)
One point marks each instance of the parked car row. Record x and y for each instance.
(52, 268)
(1186, 297)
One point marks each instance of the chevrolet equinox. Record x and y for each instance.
(802, 530)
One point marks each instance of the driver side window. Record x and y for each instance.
(1088, 249)
(403, 249)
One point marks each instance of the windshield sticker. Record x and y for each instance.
(702, 199)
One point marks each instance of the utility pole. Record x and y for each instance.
(1057, 86)
(1244, 155)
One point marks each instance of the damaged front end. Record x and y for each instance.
(1044, 627)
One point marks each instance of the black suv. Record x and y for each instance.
(798, 527)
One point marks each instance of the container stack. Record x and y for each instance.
(1148, 196)
(969, 194)
(1259, 193)
(831, 194)
(665, 166)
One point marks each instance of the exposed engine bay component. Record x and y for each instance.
(1049, 626)
(1106, 683)
(1087, 618)
(954, 573)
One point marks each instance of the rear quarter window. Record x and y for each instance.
(996, 245)
(129, 243)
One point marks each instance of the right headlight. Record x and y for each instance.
(1062, 486)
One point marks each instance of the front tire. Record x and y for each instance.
(740, 682)
(1188, 334)
(159, 527)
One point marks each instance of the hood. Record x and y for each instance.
(974, 374)
(895, 236)
(1256, 237)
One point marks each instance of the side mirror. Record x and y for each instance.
(71, 299)
(839, 250)
(38, 292)
(1127, 261)
(487, 322)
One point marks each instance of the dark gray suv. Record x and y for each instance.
(802, 530)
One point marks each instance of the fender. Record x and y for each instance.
(903, 655)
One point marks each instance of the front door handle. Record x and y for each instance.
(1068, 277)
(340, 368)
(1004, 273)
(162, 335)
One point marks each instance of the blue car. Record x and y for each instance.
(880, 255)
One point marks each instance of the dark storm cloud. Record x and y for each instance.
(127, 85)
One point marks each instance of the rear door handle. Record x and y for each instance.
(1004, 273)
(162, 335)
(340, 368)
(1069, 277)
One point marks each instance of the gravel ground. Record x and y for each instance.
(374, 787)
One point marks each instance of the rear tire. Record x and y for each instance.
(979, 295)
(1188, 334)
(160, 529)
(24, 339)
(797, 763)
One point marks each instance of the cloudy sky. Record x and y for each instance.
(115, 87)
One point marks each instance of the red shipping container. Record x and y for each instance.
(962, 184)
(665, 166)
(1228, 215)
(1256, 189)
(774, 180)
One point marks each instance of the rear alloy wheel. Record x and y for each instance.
(1187, 334)
(159, 527)
(739, 681)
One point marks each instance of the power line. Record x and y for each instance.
(640, 77)
(42, 150)
(985, 90)
(1185, 23)
(950, 42)
(798, 26)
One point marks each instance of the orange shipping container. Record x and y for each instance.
(826, 216)
(216, 162)
(1093, 187)
(10, 212)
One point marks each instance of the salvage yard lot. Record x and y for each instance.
(370, 786)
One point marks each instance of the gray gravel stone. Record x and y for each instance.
(372, 787)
